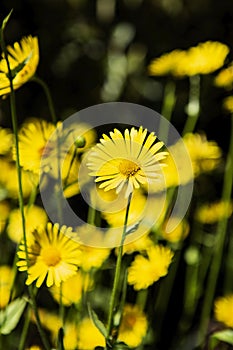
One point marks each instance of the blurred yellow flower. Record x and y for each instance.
(180, 231)
(126, 161)
(211, 213)
(225, 78)
(133, 326)
(34, 217)
(144, 271)
(4, 213)
(72, 289)
(53, 256)
(9, 180)
(23, 59)
(166, 64)
(205, 155)
(89, 336)
(69, 174)
(140, 244)
(34, 347)
(33, 137)
(136, 210)
(6, 140)
(6, 280)
(204, 58)
(228, 104)
(223, 310)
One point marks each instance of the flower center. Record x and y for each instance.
(128, 168)
(130, 320)
(51, 256)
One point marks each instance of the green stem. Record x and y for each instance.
(18, 167)
(220, 240)
(167, 109)
(48, 96)
(25, 329)
(117, 272)
(193, 107)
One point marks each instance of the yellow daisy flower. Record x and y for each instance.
(144, 271)
(34, 217)
(23, 59)
(6, 140)
(86, 328)
(225, 78)
(72, 288)
(213, 212)
(223, 310)
(204, 58)
(33, 137)
(53, 256)
(137, 165)
(4, 213)
(6, 280)
(9, 180)
(166, 64)
(133, 326)
(137, 207)
(228, 104)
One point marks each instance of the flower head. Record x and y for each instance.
(144, 271)
(223, 310)
(53, 256)
(23, 59)
(6, 140)
(225, 78)
(86, 328)
(213, 212)
(6, 280)
(133, 325)
(34, 217)
(166, 64)
(127, 160)
(228, 104)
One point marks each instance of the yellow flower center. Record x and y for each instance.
(128, 168)
(51, 256)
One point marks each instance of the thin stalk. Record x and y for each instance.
(25, 329)
(193, 107)
(169, 100)
(117, 272)
(48, 96)
(220, 240)
(18, 167)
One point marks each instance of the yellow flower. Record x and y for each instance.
(33, 137)
(72, 289)
(166, 64)
(4, 213)
(144, 271)
(23, 59)
(204, 58)
(6, 280)
(9, 180)
(225, 78)
(53, 256)
(133, 326)
(89, 335)
(228, 104)
(223, 310)
(213, 212)
(140, 244)
(34, 347)
(205, 155)
(136, 210)
(179, 233)
(137, 165)
(6, 140)
(34, 217)
(69, 174)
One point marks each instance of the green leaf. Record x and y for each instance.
(10, 317)
(99, 324)
(132, 228)
(226, 336)
(6, 19)
(120, 346)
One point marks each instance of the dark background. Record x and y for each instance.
(77, 37)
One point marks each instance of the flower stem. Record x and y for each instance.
(193, 107)
(117, 272)
(167, 109)
(220, 240)
(18, 167)
(48, 96)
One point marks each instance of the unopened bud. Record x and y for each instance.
(80, 142)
